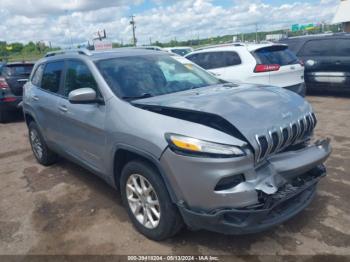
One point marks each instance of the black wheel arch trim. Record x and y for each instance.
(148, 156)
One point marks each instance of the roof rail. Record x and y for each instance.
(80, 51)
(220, 45)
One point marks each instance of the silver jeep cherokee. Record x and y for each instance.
(180, 145)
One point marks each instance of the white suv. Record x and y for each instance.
(179, 50)
(268, 64)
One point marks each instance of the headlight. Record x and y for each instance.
(193, 146)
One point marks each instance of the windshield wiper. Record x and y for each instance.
(145, 95)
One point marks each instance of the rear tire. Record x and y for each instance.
(139, 198)
(40, 150)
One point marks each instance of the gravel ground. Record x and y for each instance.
(64, 209)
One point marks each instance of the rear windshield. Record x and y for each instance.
(279, 55)
(14, 70)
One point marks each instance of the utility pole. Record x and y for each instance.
(133, 24)
(256, 32)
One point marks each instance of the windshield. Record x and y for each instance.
(152, 75)
(181, 52)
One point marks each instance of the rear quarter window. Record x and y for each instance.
(279, 55)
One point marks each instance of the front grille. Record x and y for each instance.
(314, 119)
(302, 127)
(264, 146)
(275, 141)
(278, 139)
(294, 133)
(285, 135)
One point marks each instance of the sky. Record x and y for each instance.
(66, 21)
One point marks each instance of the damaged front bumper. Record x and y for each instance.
(269, 195)
(273, 209)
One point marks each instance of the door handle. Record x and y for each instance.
(35, 98)
(63, 108)
(337, 62)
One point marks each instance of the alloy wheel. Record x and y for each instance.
(36, 144)
(143, 201)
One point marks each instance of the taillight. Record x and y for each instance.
(266, 68)
(3, 83)
(8, 99)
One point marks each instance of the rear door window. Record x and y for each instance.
(52, 76)
(279, 55)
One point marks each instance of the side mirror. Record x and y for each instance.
(83, 96)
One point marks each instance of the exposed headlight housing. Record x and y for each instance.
(197, 147)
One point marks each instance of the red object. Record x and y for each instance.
(301, 62)
(3, 83)
(8, 99)
(266, 68)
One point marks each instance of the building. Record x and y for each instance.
(343, 15)
(275, 37)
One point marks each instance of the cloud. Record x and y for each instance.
(39, 7)
(60, 21)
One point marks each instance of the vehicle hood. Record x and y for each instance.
(252, 109)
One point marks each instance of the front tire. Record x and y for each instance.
(40, 150)
(148, 202)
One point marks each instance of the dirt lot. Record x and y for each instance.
(64, 209)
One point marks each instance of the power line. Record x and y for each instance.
(133, 24)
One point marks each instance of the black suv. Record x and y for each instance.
(13, 77)
(326, 58)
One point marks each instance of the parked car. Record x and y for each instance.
(13, 77)
(326, 58)
(181, 146)
(266, 64)
(179, 50)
